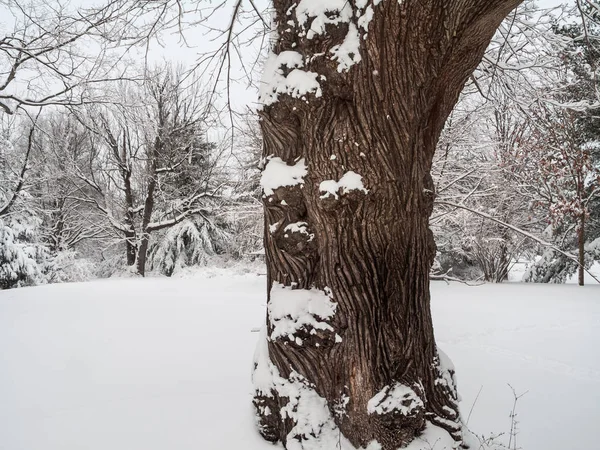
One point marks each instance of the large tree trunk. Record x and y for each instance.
(369, 355)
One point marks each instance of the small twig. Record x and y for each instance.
(473, 405)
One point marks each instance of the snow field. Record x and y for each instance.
(157, 363)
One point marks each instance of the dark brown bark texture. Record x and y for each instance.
(381, 119)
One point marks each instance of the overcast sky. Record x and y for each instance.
(546, 3)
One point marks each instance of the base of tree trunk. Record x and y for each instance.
(290, 409)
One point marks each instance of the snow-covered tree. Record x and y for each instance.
(21, 256)
(147, 165)
(188, 243)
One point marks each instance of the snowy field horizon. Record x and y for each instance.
(158, 363)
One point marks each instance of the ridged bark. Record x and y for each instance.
(372, 251)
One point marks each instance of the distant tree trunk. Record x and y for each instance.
(153, 152)
(369, 249)
(121, 157)
(504, 262)
(142, 252)
(581, 239)
(130, 247)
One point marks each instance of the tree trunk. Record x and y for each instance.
(153, 153)
(121, 154)
(130, 247)
(141, 256)
(581, 239)
(347, 241)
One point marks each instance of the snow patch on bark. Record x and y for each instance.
(323, 13)
(397, 398)
(297, 83)
(365, 19)
(447, 373)
(314, 428)
(277, 173)
(274, 227)
(300, 227)
(340, 406)
(348, 52)
(262, 375)
(351, 181)
(290, 310)
(284, 74)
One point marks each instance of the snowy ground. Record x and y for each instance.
(159, 364)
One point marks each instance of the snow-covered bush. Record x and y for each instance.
(550, 267)
(20, 259)
(66, 267)
(112, 264)
(188, 243)
(553, 267)
(456, 262)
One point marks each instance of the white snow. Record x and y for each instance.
(340, 11)
(293, 309)
(299, 227)
(398, 398)
(350, 181)
(277, 174)
(297, 83)
(348, 52)
(365, 19)
(274, 226)
(155, 364)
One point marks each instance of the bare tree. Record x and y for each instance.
(141, 157)
(52, 53)
(60, 144)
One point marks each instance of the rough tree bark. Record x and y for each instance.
(370, 250)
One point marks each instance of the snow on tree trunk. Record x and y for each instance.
(354, 97)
